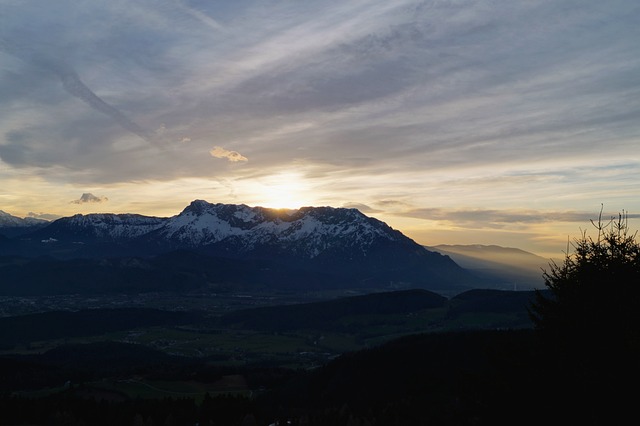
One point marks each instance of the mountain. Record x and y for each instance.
(342, 241)
(92, 235)
(311, 247)
(12, 226)
(308, 231)
(506, 267)
(100, 227)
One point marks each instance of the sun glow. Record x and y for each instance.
(283, 191)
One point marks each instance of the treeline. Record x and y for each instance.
(464, 378)
(448, 378)
(84, 363)
(479, 378)
(72, 410)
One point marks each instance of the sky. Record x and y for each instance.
(456, 122)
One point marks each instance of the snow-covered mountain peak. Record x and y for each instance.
(311, 230)
(333, 215)
(11, 226)
(226, 212)
(235, 230)
(106, 225)
(198, 207)
(325, 244)
(8, 220)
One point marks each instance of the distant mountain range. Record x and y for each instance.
(11, 226)
(515, 269)
(221, 246)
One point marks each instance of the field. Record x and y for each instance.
(255, 333)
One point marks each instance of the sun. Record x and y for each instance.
(287, 190)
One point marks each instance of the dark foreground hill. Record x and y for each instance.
(479, 377)
(451, 378)
(466, 378)
(473, 309)
(463, 378)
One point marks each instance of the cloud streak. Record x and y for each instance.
(499, 218)
(44, 216)
(72, 83)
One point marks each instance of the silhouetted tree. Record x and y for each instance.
(589, 322)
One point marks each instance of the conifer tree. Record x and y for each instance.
(595, 292)
(589, 320)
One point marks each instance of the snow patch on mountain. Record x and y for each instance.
(308, 231)
(9, 221)
(111, 226)
(13, 226)
(237, 230)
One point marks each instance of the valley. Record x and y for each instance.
(262, 331)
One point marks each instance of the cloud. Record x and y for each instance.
(361, 207)
(201, 17)
(72, 84)
(87, 197)
(14, 153)
(487, 218)
(232, 156)
(392, 203)
(44, 216)
(450, 85)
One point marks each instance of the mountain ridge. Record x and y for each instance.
(513, 267)
(344, 246)
(11, 226)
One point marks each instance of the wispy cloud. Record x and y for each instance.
(38, 57)
(478, 218)
(202, 17)
(44, 216)
(362, 207)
